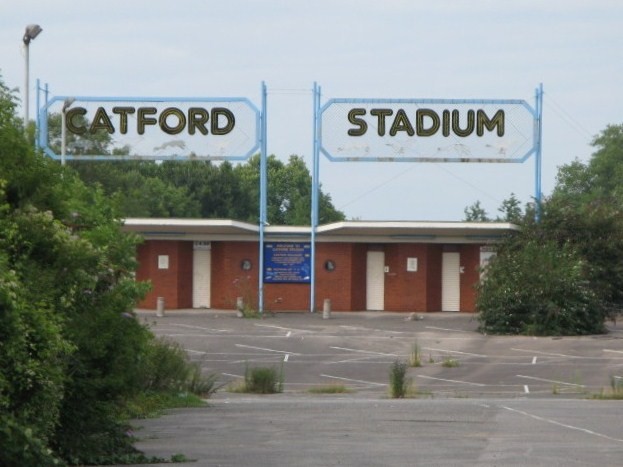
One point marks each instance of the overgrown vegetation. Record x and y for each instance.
(415, 358)
(260, 380)
(330, 389)
(563, 273)
(73, 356)
(399, 383)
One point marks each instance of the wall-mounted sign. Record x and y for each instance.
(427, 130)
(150, 128)
(287, 262)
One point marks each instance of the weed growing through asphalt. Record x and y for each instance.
(616, 390)
(330, 389)
(415, 359)
(398, 381)
(449, 362)
(260, 380)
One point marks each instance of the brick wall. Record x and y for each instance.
(174, 284)
(345, 286)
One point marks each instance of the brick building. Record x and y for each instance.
(394, 266)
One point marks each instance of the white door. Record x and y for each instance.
(202, 260)
(451, 282)
(375, 281)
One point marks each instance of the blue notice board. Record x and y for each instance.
(287, 262)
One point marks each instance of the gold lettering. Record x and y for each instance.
(142, 119)
(123, 117)
(456, 127)
(181, 121)
(482, 122)
(70, 124)
(420, 114)
(381, 114)
(197, 118)
(229, 116)
(101, 121)
(401, 123)
(353, 117)
(445, 128)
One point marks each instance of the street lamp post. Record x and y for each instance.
(66, 104)
(32, 31)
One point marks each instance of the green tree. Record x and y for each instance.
(511, 210)
(476, 213)
(581, 233)
(70, 350)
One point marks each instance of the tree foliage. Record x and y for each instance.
(69, 347)
(569, 264)
(208, 190)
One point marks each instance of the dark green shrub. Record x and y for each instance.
(538, 288)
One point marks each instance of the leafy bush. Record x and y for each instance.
(538, 287)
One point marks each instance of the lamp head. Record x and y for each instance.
(32, 31)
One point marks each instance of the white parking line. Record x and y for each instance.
(265, 350)
(549, 380)
(571, 427)
(547, 353)
(354, 380)
(447, 329)
(366, 352)
(613, 351)
(281, 327)
(456, 351)
(450, 380)
(198, 327)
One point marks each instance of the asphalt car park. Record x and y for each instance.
(356, 350)
(507, 400)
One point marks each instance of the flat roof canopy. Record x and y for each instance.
(346, 231)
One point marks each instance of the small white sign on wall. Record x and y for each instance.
(412, 264)
(163, 261)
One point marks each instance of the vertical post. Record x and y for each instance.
(42, 126)
(538, 156)
(314, 195)
(38, 125)
(26, 82)
(263, 199)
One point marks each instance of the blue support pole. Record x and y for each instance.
(314, 195)
(538, 160)
(263, 199)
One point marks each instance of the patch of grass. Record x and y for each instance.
(259, 380)
(449, 362)
(616, 390)
(398, 381)
(330, 389)
(415, 359)
(150, 404)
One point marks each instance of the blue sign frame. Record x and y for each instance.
(287, 262)
(254, 134)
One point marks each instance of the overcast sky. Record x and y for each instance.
(459, 49)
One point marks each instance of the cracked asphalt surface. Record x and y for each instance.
(506, 400)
